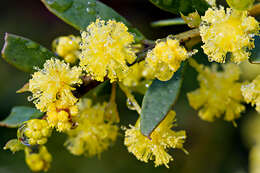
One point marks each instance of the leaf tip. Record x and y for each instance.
(5, 44)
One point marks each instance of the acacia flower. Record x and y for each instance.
(219, 92)
(36, 131)
(251, 92)
(55, 81)
(162, 139)
(95, 131)
(38, 160)
(227, 31)
(106, 50)
(61, 117)
(67, 47)
(165, 58)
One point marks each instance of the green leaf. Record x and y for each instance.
(158, 100)
(182, 6)
(24, 54)
(19, 114)
(80, 13)
(255, 54)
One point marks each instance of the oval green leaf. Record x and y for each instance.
(19, 114)
(158, 101)
(255, 54)
(80, 13)
(182, 6)
(24, 54)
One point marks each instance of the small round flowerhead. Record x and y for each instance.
(67, 47)
(94, 133)
(227, 31)
(219, 93)
(36, 131)
(251, 92)
(106, 50)
(38, 160)
(165, 58)
(54, 82)
(61, 117)
(155, 148)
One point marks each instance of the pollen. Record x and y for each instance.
(95, 131)
(165, 58)
(55, 81)
(106, 50)
(227, 31)
(161, 140)
(219, 92)
(251, 92)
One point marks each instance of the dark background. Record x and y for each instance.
(214, 147)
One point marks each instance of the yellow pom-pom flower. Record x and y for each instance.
(106, 50)
(251, 92)
(165, 58)
(61, 117)
(67, 47)
(219, 92)
(38, 160)
(54, 82)
(227, 31)
(94, 133)
(36, 131)
(155, 148)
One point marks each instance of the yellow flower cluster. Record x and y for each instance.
(95, 131)
(54, 82)
(52, 92)
(227, 31)
(36, 131)
(251, 92)
(38, 160)
(106, 50)
(165, 58)
(61, 117)
(219, 92)
(162, 139)
(67, 47)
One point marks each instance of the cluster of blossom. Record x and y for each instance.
(105, 51)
